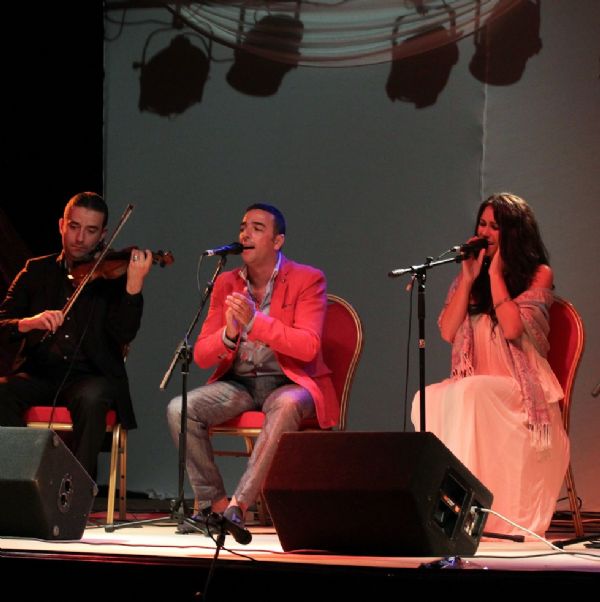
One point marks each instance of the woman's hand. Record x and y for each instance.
(471, 266)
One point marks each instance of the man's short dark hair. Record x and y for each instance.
(279, 219)
(89, 200)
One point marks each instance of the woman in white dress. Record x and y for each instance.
(499, 411)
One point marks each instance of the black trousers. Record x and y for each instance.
(87, 396)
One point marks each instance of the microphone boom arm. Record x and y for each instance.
(416, 269)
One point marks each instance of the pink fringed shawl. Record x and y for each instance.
(534, 305)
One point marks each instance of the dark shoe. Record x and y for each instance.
(198, 523)
(235, 515)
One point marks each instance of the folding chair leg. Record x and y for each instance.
(573, 502)
(122, 473)
(112, 477)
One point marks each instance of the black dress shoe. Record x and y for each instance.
(198, 523)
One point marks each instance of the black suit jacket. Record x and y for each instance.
(114, 319)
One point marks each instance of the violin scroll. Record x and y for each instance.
(163, 258)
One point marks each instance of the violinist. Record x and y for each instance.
(73, 360)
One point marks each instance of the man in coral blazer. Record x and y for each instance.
(263, 334)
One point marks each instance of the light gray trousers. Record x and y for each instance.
(285, 406)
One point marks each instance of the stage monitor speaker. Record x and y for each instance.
(45, 493)
(398, 494)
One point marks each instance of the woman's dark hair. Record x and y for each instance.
(521, 247)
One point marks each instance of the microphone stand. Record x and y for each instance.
(419, 273)
(183, 353)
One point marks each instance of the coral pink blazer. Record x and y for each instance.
(292, 330)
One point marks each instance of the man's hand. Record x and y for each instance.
(50, 320)
(241, 306)
(140, 263)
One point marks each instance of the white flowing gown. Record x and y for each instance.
(483, 421)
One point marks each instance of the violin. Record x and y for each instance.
(113, 265)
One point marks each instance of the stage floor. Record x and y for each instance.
(159, 543)
(163, 541)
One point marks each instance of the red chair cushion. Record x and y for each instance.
(246, 420)
(61, 414)
(255, 420)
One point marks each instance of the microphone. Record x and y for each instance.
(240, 534)
(470, 248)
(234, 248)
